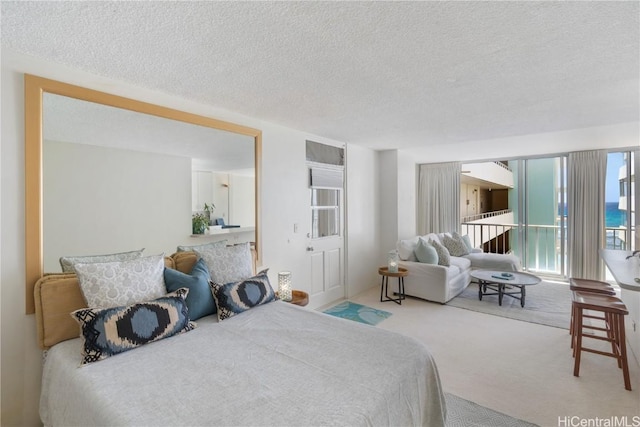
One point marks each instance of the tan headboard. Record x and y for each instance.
(58, 294)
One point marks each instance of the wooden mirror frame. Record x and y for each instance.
(34, 88)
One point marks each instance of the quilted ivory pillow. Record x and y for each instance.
(444, 258)
(110, 331)
(113, 284)
(229, 263)
(237, 297)
(68, 262)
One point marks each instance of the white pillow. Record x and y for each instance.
(228, 263)
(68, 262)
(112, 284)
(219, 243)
(406, 249)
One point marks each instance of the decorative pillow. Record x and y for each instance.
(444, 258)
(455, 246)
(229, 263)
(237, 297)
(406, 249)
(200, 301)
(465, 239)
(113, 284)
(110, 331)
(426, 253)
(68, 262)
(218, 244)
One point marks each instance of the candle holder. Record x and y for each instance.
(392, 262)
(284, 286)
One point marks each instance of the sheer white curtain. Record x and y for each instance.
(439, 198)
(585, 202)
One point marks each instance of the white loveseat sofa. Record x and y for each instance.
(439, 283)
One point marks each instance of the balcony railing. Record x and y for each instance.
(476, 217)
(543, 244)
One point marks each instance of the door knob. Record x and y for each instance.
(309, 248)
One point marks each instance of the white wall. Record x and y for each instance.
(241, 200)
(284, 199)
(89, 209)
(364, 251)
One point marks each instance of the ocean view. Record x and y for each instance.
(614, 217)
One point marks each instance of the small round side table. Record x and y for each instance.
(300, 298)
(384, 272)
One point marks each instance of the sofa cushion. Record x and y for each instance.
(455, 245)
(460, 262)
(489, 261)
(444, 258)
(425, 252)
(406, 249)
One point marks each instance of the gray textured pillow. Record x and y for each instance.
(229, 263)
(465, 239)
(220, 243)
(455, 245)
(444, 258)
(112, 284)
(426, 253)
(68, 262)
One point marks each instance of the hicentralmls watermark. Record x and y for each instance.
(615, 421)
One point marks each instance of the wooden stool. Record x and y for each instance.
(593, 286)
(613, 310)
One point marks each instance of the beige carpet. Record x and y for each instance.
(521, 369)
(547, 303)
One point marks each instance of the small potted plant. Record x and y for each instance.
(199, 223)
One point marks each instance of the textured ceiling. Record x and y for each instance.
(379, 74)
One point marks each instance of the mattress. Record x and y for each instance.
(276, 364)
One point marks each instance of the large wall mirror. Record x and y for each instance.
(108, 174)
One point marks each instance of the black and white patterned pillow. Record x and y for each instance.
(110, 331)
(237, 297)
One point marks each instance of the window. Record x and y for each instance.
(325, 212)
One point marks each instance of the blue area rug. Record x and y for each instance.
(358, 313)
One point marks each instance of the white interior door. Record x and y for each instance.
(325, 245)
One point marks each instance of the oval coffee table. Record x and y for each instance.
(501, 282)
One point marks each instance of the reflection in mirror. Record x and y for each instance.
(106, 174)
(115, 180)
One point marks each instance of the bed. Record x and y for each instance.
(276, 364)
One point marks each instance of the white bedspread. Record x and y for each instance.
(277, 364)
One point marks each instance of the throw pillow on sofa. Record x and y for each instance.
(444, 258)
(426, 253)
(465, 239)
(455, 245)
